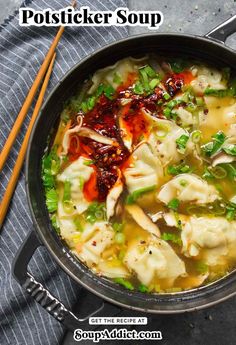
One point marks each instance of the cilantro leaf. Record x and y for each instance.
(51, 200)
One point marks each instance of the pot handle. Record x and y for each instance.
(224, 30)
(41, 295)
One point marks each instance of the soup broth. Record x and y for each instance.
(140, 179)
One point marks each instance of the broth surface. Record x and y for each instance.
(140, 179)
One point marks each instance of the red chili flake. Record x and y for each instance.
(94, 243)
(174, 83)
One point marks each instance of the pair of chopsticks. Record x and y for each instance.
(44, 71)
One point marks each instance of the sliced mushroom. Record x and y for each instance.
(85, 132)
(143, 220)
(113, 196)
(221, 158)
(90, 133)
(66, 138)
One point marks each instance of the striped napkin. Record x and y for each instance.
(22, 51)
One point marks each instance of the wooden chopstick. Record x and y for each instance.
(21, 155)
(29, 99)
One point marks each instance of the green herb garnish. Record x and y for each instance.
(231, 92)
(88, 162)
(173, 204)
(167, 236)
(96, 211)
(138, 88)
(128, 285)
(230, 149)
(118, 226)
(201, 267)
(67, 194)
(51, 200)
(50, 168)
(117, 78)
(182, 142)
(138, 193)
(214, 146)
(178, 65)
(143, 288)
(178, 169)
(54, 223)
(78, 224)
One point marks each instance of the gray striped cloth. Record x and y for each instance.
(22, 50)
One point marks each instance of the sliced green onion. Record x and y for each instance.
(68, 206)
(88, 162)
(201, 267)
(153, 83)
(84, 107)
(67, 191)
(230, 212)
(150, 71)
(173, 204)
(218, 172)
(143, 288)
(128, 285)
(214, 146)
(200, 101)
(138, 88)
(167, 112)
(78, 224)
(182, 142)
(109, 91)
(145, 81)
(178, 169)
(120, 238)
(99, 90)
(167, 236)
(196, 136)
(230, 149)
(166, 96)
(117, 78)
(138, 193)
(118, 226)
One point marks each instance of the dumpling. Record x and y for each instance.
(163, 138)
(188, 187)
(94, 240)
(145, 169)
(65, 222)
(122, 69)
(206, 77)
(77, 173)
(212, 237)
(113, 269)
(85, 132)
(154, 260)
(185, 117)
(224, 109)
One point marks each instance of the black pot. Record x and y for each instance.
(210, 48)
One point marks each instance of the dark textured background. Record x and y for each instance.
(216, 325)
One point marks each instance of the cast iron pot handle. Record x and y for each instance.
(36, 290)
(224, 30)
